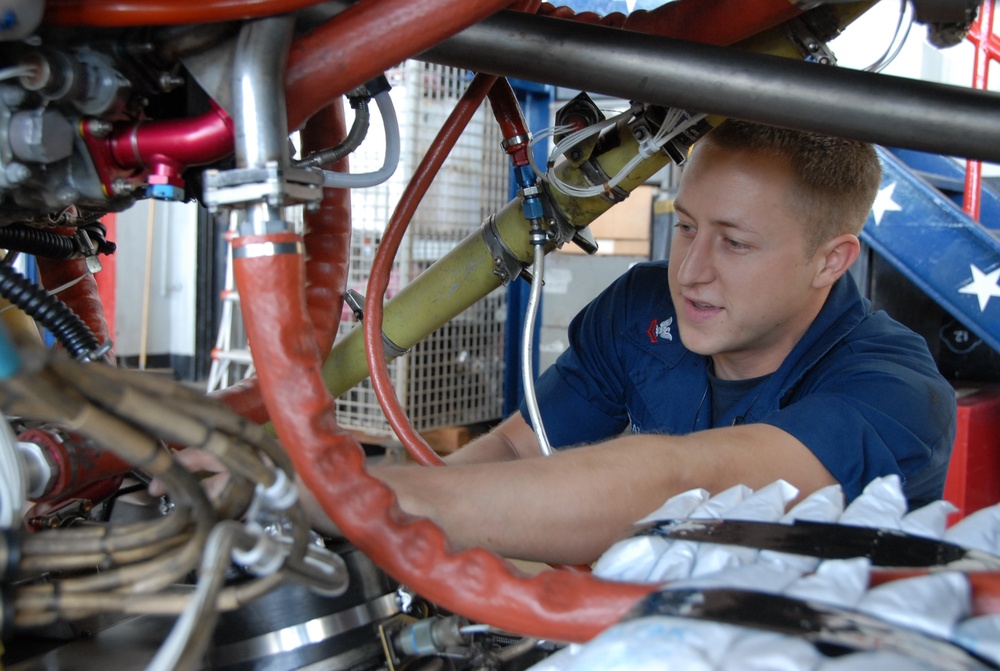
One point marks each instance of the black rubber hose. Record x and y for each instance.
(38, 242)
(53, 245)
(71, 332)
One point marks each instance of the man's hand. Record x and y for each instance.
(198, 461)
(216, 477)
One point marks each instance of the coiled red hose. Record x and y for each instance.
(560, 605)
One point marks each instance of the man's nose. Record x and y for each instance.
(697, 264)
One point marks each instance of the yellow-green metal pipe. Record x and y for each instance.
(468, 273)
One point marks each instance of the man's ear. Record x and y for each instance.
(834, 257)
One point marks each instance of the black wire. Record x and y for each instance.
(71, 332)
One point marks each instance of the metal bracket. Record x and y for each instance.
(508, 266)
(355, 300)
(812, 47)
(595, 174)
(278, 185)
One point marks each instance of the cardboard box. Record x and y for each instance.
(625, 229)
(613, 247)
(631, 219)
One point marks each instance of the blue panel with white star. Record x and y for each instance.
(948, 255)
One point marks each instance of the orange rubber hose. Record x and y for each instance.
(557, 605)
(328, 244)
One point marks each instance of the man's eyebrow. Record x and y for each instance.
(725, 223)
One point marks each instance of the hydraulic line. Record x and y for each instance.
(184, 647)
(518, 146)
(349, 180)
(561, 605)
(35, 609)
(365, 40)
(355, 136)
(45, 396)
(171, 426)
(102, 560)
(110, 539)
(527, 341)
(71, 332)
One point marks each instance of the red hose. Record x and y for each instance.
(558, 605)
(508, 115)
(83, 298)
(328, 246)
(118, 13)
(378, 280)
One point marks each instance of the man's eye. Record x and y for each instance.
(736, 244)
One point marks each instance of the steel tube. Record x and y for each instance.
(260, 117)
(877, 108)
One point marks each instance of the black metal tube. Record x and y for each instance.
(878, 108)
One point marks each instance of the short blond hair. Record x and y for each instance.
(838, 178)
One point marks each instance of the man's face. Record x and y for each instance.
(740, 279)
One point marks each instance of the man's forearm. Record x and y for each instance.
(512, 439)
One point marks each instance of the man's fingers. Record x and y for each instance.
(199, 460)
(196, 460)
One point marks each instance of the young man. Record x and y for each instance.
(749, 357)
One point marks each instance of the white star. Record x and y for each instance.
(884, 203)
(983, 285)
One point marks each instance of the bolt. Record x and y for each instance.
(12, 96)
(121, 187)
(17, 173)
(99, 127)
(169, 82)
(67, 194)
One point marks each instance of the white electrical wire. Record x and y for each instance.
(13, 478)
(670, 128)
(347, 180)
(540, 135)
(890, 54)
